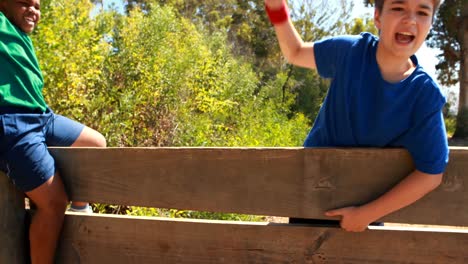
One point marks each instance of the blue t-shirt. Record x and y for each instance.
(361, 109)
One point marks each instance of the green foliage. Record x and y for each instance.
(173, 213)
(144, 71)
(252, 38)
(155, 77)
(450, 123)
(362, 25)
(71, 53)
(110, 209)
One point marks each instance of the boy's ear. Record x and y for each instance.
(377, 18)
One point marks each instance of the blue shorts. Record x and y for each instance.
(24, 137)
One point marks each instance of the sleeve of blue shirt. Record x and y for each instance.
(330, 52)
(426, 140)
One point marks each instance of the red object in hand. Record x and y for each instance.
(278, 16)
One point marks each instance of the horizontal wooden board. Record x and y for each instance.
(112, 239)
(292, 182)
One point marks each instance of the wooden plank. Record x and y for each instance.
(112, 239)
(12, 223)
(292, 182)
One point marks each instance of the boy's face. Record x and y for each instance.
(404, 25)
(25, 14)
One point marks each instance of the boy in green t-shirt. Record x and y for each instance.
(28, 126)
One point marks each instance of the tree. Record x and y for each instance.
(70, 51)
(362, 25)
(152, 78)
(450, 34)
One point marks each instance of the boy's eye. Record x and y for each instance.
(422, 13)
(397, 9)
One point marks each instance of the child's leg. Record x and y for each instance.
(30, 166)
(88, 138)
(51, 201)
(66, 132)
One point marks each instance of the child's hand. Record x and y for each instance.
(274, 4)
(352, 218)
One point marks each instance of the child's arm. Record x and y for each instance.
(294, 49)
(408, 191)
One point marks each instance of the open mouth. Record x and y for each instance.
(404, 37)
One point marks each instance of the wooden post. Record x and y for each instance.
(12, 223)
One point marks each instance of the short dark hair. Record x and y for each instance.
(379, 5)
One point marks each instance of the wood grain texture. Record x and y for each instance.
(291, 182)
(113, 239)
(12, 223)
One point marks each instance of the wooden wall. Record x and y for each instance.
(12, 223)
(292, 182)
(287, 182)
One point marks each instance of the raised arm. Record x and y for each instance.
(293, 47)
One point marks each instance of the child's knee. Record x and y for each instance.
(98, 140)
(57, 205)
(90, 138)
(101, 141)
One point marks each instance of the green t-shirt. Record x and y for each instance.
(21, 80)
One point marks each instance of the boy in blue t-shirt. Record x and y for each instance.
(378, 97)
(28, 126)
